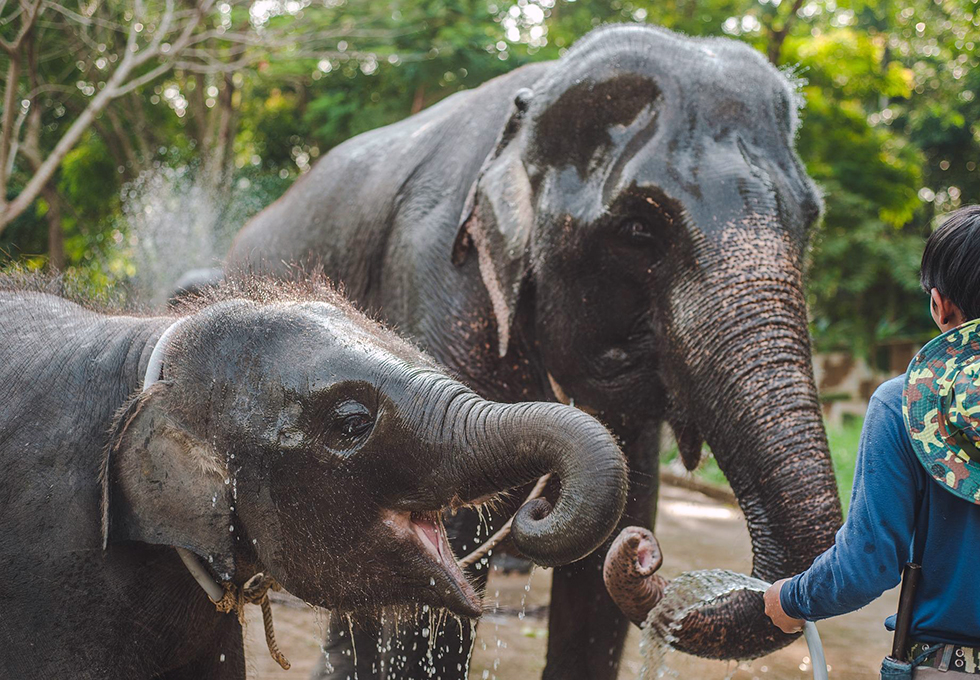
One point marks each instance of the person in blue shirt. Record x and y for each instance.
(917, 480)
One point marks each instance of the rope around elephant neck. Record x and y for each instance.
(254, 591)
(233, 599)
(504, 531)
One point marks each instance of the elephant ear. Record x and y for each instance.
(497, 220)
(163, 486)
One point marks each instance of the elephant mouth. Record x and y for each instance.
(425, 533)
(428, 528)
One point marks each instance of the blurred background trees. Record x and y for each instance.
(225, 103)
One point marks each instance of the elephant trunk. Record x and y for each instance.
(508, 445)
(760, 413)
(629, 573)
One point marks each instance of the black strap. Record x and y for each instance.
(911, 574)
(903, 620)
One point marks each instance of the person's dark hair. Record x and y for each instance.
(951, 260)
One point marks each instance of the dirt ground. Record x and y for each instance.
(695, 532)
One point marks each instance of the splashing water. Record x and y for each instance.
(176, 221)
(527, 590)
(689, 591)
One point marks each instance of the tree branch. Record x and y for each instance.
(177, 36)
(778, 37)
(9, 101)
(33, 12)
(116, 86)
(83, 20)
(15, 141)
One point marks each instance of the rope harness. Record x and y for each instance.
(254, 591)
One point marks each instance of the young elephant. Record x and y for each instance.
(280, 432)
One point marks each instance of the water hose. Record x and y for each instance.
(816, 650)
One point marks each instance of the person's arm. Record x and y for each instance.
(870, 549)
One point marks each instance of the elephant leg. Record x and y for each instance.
(586, 630)
(403, 650)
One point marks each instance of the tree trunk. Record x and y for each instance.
(121, 135)
(145, 139)
(778, 37)
(56, 235)
(419, 100)
(217, 172)
(9, 103)
(199, 122)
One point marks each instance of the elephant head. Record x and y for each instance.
(291, 435)
(645, 209)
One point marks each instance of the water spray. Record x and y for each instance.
(661, 606)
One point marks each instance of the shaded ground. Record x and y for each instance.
(695, 532)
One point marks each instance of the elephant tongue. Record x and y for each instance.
(428, 531)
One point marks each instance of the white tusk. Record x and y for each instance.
(559, 392)
(561, 396)
(203, 578)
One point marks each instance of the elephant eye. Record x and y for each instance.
(353, 419)
(638, 230)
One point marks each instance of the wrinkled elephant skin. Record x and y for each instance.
(288, 435)
(623, 228)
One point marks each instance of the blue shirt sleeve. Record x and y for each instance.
(875, 541)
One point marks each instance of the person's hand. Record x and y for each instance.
(774, 610)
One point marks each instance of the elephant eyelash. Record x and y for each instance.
(492, 504)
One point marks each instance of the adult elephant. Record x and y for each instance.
(623, 228)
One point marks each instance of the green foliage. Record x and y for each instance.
(891, 128)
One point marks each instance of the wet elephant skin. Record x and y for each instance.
(624, 228)
(288, 435)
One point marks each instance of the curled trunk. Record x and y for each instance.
(507, 445)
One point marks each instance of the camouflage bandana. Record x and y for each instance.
(941, 405)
